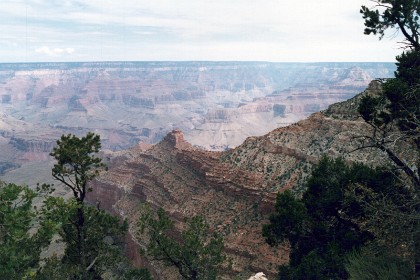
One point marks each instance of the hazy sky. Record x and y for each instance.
(267, 30)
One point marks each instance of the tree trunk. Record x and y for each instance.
(81, 240)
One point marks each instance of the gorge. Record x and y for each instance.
(235, 190)
(216, 104)
(212, 139)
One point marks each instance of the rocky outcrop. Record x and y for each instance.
(6, 166)
(33, 145)
(258, 276)
(235, 190)
(217, 106)
(208, 101)
(22, 143)
(348, 109)
(187, 181)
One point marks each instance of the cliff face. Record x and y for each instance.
(207, 100)
(235, 190)
(186, 181)
(217, 105)
(22, 142)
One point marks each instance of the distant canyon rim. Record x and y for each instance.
(218, 139)
(217, 105)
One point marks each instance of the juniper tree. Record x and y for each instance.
(76, 165)
(24, 232)
(197, 254)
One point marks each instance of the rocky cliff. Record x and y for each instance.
(235, 190)
(217, 105)
(128, 102)
(187, 181)
(21, 143)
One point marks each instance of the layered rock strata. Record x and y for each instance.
(234, 190)
(216, 104)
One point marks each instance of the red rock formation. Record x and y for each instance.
(234, 190)
(187, 181)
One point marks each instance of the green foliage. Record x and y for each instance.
(93, 238)
(373, 262)
(393, 216)
(403, 93)
(136, 274)
(104, 245)
(76, 162)
(54, 269)
(287, 223)
(323, 226)
(395, 114)
(76, 165)
(371, 109)
(23, 233)
(400, 14)
(102, 233)
(196, 253)
(370, 212)
(400, 101)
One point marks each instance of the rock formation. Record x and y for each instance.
(217, 105)
(198, 97)
(235, 190)
(258, 276)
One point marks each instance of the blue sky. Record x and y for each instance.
(139, 30)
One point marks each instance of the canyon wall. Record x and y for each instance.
(217, 105)
(234, 190)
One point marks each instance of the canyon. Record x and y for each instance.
(234, 190)
(217, 105)
(218, 139)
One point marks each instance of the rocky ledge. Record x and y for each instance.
(234, 190)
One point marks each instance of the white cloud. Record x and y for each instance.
(69, 50)
(55, 51)
(274, 30)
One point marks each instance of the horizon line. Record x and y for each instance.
(191, 61)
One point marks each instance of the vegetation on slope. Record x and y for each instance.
(196, 254)
(93, 239)
(353, 221)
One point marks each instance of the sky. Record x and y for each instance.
(189, 30)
